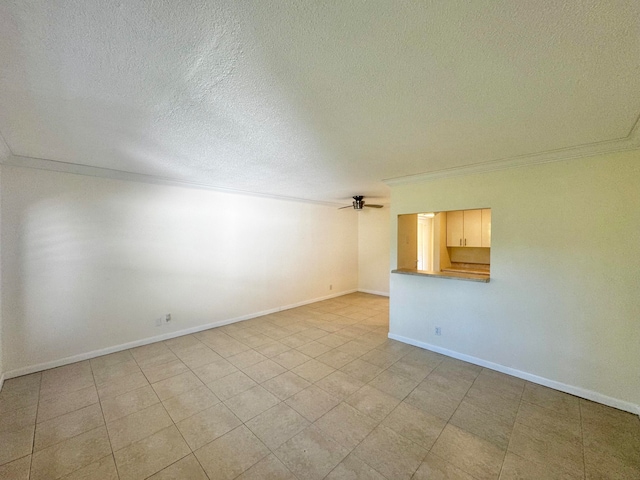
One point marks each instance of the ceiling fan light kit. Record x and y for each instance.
(358, 203)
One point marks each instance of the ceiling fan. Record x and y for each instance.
(358, 203)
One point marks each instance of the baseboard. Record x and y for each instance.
(158, 338)
(1, 381)
(374, 292)
(563, 387)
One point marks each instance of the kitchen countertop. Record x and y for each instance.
(452, 275)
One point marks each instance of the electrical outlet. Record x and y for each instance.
(159, 322)
(438, 331)
(167, 318)
(330, 287)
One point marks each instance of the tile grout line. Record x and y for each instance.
(35, 426)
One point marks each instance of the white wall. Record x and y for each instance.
(1, 287)
(563, 302)
(373, 250)
(89, 263)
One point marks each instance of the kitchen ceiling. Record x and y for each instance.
(313, 100)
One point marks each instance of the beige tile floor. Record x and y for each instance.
(310, 393)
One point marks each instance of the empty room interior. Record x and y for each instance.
(304, 239)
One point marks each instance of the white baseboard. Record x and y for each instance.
(563, 387)
(158, 338)
(374, 292)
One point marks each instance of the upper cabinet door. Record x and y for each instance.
(455, 229)
(472, 228)
(486, 227)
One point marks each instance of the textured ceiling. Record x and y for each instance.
(308, 99)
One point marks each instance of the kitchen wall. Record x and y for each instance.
(562, 307)
(373, 250)
(90, 263)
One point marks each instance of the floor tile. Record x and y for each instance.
(313, 370)
(478, 457)
(263, 371)
(66, 402)
(155, 373)
(174, 386)
(484, 424)
(103, 469)
(246, 358)
(197, 355)
(277, 425)
(214, 370)
(361, 370)
(339, 384)
(546, 433)
(433, 467)
(187, 468)
(518, 468)
(66, 457)
(269, 468)
(335, 358)
(490, 399)
(551, 399)
(285, 385)
(190, 403)
(314, 349)
(311, 454)
(16, 444)
(346, 425)
(138, 425)
(602, 465)
(230, 455)
(414, 369)
(231, 385)
(110, 359)
(393, 384)
(554, 448)
(17, 469)
(433, 401)
(120, 406)
(122, 385)
(351, 468)
(291, 359)
(111, 372)
(390, 453)
(206, 426)
(151, 454)
(270, 350)
(252, 402)
(312, 402)
(18, 418)
(373, 402)
(418, 426)
(66, 426)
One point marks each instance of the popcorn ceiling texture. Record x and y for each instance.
(313, 100)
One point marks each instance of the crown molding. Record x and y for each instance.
(630, 142)
(91, 171)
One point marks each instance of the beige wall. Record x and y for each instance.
(563, 305)
(1, 286)
(373, 250)
(90, 263)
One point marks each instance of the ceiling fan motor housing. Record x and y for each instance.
(358, 202)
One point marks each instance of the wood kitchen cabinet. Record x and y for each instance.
(486, 227)
(467, 228)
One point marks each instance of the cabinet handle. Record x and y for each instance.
(460, 242)
(465, 242)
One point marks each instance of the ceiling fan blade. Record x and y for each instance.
(348, 206)
(373, 206)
